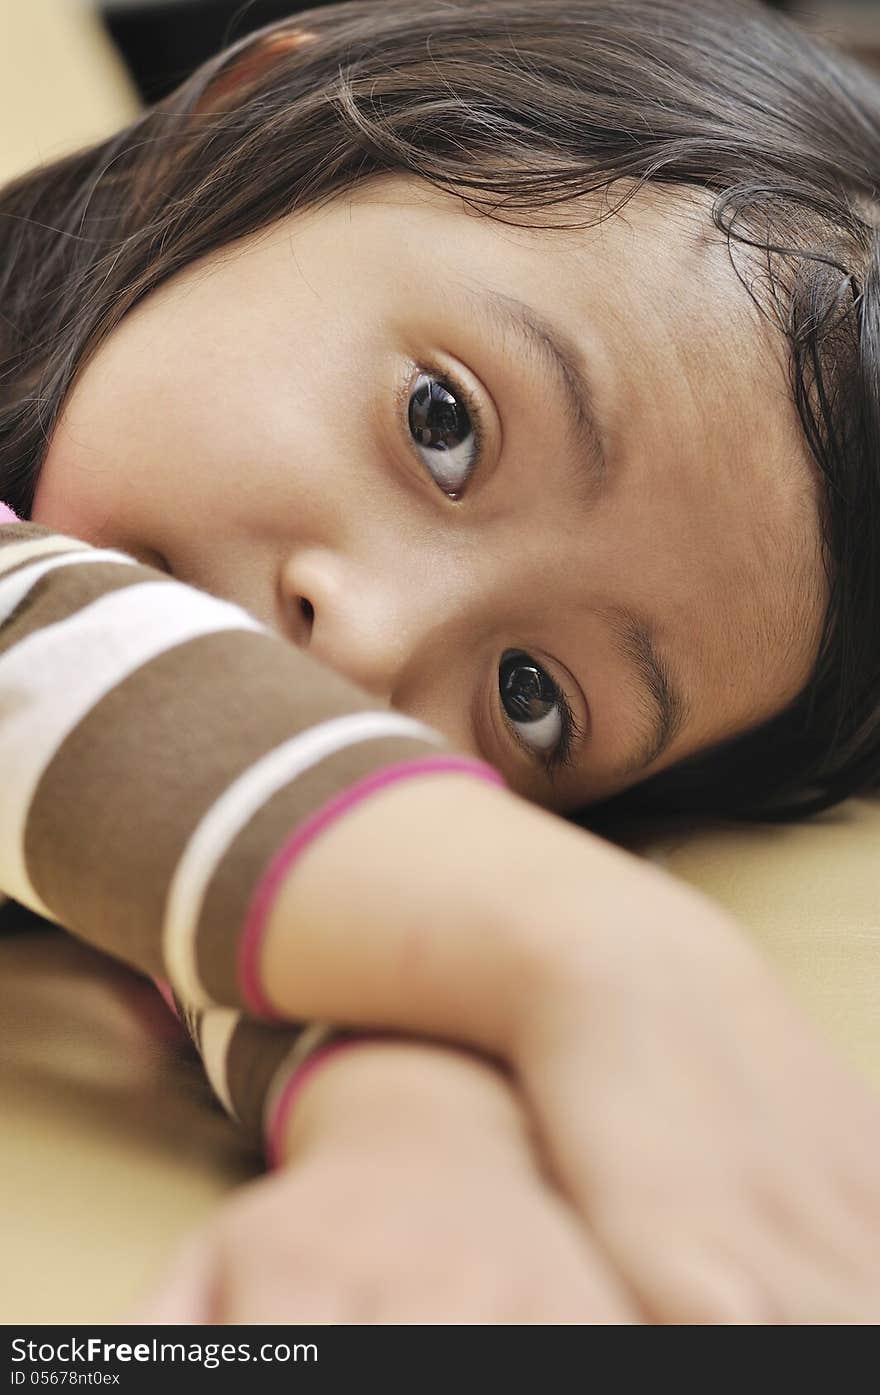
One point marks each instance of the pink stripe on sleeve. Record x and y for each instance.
(268, 886)
(293, 1088)
(6, 514)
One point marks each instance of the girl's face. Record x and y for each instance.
(634, 535)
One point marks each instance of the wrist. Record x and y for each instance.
(451, 908)
(397, 918)
(392, 1094)
(643, 936)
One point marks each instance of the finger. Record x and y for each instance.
(595, 1295)
(585, 1286)
(696, 1276)
(188, 1291)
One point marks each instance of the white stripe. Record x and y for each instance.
(11, 553)
(53, 678)
(234, 808)
(13, 589)
(215, 1034)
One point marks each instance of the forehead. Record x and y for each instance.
(652, 293)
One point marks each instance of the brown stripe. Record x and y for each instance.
(231, 889)
(24, 530)
(11, 533)
(255, 1052)
(119, 801)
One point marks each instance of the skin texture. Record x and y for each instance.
(246, 427)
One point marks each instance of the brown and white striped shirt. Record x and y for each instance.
(164, 758)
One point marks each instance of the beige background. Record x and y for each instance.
(61, 84)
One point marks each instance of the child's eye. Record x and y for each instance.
(445, 426)
(532, 701)
(445, 423)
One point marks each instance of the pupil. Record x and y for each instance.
(434, 412)
(527, 692)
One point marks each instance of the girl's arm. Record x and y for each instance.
(715, 1146)
(158, 747)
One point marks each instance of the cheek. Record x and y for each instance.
(140, 438)
(69, 499)
(180, 424)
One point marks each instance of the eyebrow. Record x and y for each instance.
(557, 352)
(668, 707)
(664, 702)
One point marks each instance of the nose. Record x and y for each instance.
(352, 623)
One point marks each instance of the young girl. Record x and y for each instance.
(426, 423)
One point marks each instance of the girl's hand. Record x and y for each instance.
(726, 1161)
(410, 1196)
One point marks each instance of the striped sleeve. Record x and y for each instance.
(164, 758)
(255, 1068)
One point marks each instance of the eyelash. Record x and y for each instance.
(561, 755)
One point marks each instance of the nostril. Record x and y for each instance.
(307, 609)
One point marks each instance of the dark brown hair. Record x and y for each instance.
(518, 106)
